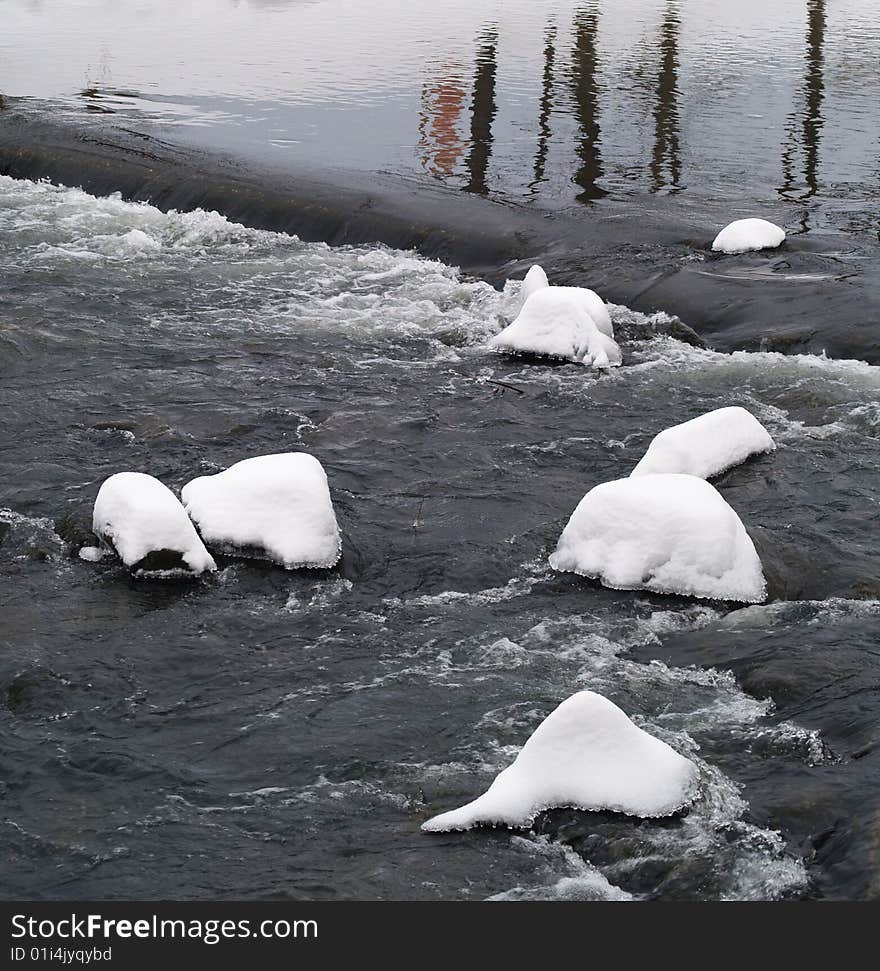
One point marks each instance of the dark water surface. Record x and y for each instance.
(270, 734)
(262, 733)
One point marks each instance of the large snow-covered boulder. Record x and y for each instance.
(556, 322)
(586, 754)
(707, 445)
(144, 522)
(668, 533)
(745, 235)
(273, 507)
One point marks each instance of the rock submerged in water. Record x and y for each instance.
(569, 323)
(707, 445)
(272, 507)
(748, 235)
(144, 523)
(587, 755)
(664, 532)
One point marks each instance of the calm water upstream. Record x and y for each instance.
(553, 102)
(271, 734)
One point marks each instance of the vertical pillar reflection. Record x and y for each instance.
(807, 129)
(545, 105)
(666, 153)
(483, 111)
(585, 93)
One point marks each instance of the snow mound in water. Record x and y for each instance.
(274, 507)
(143, 521)
(535, 279)
(593, 304)
(707, 445)
(555, 322)
(667, 533)
(585, 755)
(745, 235)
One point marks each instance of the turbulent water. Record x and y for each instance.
(261, 733)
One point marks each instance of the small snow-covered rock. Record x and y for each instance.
(588, 755)
(274, 507)
(535, 279)
(745, 235)
(595, 306)
(708, 445)
(668, 533)
(556, 322)
(144, 522)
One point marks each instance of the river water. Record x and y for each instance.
(266, 734)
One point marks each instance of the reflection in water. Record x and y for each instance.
(546, 106)
(585, 91)
(666, 133)
(812, 121)
(439, 139)
(483, 109)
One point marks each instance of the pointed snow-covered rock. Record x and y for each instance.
(535, 279)
(588, 755)
(595, 306)
(555, 322)
(274, 507)
(667, 533)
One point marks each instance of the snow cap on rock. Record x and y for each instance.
(668, 533)
(275, 507)
(144, 522)
(588, 755)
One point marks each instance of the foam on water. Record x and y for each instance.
(579, 881)
(271, 280)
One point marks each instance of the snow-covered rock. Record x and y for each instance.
(595, 306)
(745, 235)
(143, 521)
(668, 533)
(585, 755)
(707, 445)
(535, 279)
(556, 322)
(274, 507)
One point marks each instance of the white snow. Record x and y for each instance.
(588, 755)
(595, 306)
(558, 322)
(274, 507)
(535, 279)
(137, 515)
(708, 445)
(668, 533)
(745, 235)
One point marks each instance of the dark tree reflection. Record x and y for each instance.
(585, 92)
(483, 110)
(806, 127)
(666, 159)
(546, 105)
